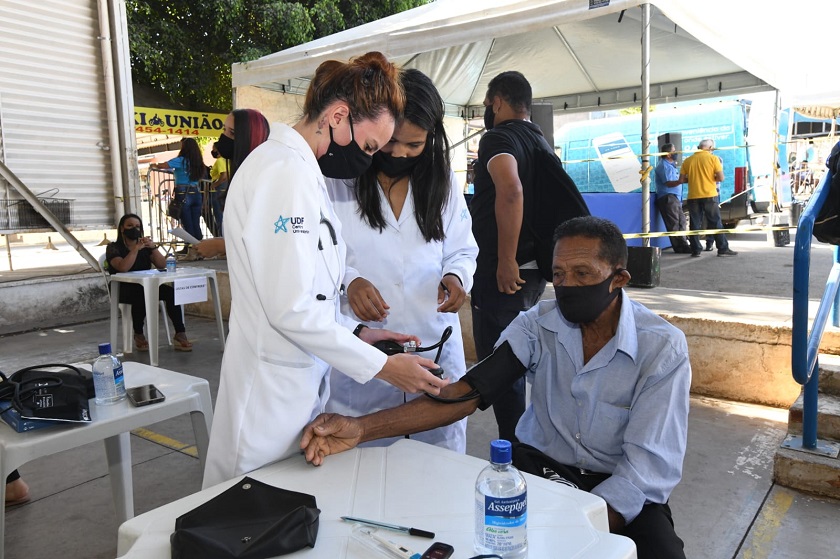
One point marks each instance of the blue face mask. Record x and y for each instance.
(344, 162)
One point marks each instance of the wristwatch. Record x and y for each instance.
(358, 330)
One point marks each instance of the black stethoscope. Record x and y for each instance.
(336, 281)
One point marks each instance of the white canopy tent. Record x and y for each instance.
(579, 55)
(586, 54)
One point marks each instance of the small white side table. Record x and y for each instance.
(112, 424)
(151, 280)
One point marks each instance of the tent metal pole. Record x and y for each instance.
(777, 108)
(645, 121)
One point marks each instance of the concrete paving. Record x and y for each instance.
(727, 505)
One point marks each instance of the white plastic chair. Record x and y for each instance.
(127, 326)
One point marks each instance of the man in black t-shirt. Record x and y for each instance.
(506, 280)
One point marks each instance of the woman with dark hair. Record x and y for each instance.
(244, 130)
(133, 252)
(188, 168)
(410, 251)
(253, 130)
(286, 256)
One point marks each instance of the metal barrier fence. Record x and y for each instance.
(160, 187)
(804, 345)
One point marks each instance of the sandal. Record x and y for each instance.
(17, 493)
(181, 343)
(140, 342)
(15, 502)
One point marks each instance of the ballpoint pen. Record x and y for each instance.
(408, 530)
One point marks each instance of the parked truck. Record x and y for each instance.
(602, 154)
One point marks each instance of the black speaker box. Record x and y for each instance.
(542, 114)
(643, 266)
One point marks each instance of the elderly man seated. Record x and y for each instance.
(609, 399)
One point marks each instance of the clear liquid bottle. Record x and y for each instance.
(108, 381)
(171, 263)
(501, 506)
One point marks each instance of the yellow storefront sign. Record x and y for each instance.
(177, 123)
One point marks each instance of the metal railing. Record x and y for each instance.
(804, 344)
(160, 187)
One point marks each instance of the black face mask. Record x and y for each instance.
(489, 117)
(394, 167)
(582, 304)
(344, 162)
(133, 234)
(225, 147)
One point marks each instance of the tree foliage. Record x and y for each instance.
(184, 48)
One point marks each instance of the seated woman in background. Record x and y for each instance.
(244, 130)
(133, 252)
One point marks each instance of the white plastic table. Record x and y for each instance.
(151, 280)
(409, 483)
(111, 424)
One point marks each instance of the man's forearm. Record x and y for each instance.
(509, 222)
(420, 414)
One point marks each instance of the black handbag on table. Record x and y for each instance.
(251, 520)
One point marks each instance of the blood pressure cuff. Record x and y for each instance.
(251, 520)
(494, 375)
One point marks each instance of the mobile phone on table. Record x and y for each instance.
(438, 550)
(144, 395)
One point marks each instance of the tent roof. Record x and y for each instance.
(583, 54)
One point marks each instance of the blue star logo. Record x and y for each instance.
(280, 224)
(464, 215)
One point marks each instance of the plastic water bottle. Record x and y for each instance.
(501, 506)
(108, 381)
(171, 263)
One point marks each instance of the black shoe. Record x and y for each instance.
(709, 247)
(696, 254)
(727, 252)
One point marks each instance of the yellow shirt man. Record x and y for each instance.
(702, 171)
(219, 167)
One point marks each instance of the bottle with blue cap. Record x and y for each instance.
(501, 506)
(171, 263)
(108, 381)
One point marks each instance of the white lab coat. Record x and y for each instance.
(407, 271)
(283, 336)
